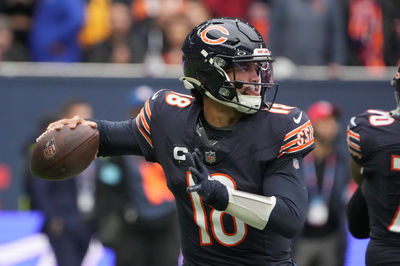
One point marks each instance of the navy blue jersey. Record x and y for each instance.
(261, 155)
(167, 128)
(373, 141)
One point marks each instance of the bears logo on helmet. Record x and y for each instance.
(220, 39)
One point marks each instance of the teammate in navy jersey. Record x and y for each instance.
(232, 160)
(374, 210)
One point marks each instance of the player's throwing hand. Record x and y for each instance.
(213, 192)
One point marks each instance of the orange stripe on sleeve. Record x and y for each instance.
(297, 148)
(354, 153)
(291, 143)
(354, 146)
(144, 133)
(147, 108)
(353, 134)
(297, 130)
(144, 122)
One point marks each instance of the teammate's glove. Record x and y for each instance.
(212, 192)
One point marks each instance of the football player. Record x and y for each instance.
(374, 210)
(232, 160)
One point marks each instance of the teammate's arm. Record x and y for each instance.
(357, 215)
(355, 170)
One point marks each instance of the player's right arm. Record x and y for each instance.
(116, 138)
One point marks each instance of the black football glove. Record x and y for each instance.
(212, 192)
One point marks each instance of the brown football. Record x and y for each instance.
(65, 153)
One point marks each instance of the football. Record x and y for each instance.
(65, 153)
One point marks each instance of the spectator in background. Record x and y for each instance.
(197, 12)
(137, 215)
(259, 15)
(97, 26)
(175, 30)
(54, 36)
(149, 18)
(20, 13)
(323, 239)
(9, 49)
(122, 46)
(374, 32)
(67, 205)
(309, 32)
(391, 31)
(220, 8)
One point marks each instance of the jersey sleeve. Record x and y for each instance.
(143, 125)
(297, 134)
(353, 139)
(156, 121)
(284, 179)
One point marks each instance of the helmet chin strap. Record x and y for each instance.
(248, 104)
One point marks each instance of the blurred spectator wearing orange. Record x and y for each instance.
(259, 15)
(159, 24)
(175, 30)
(374, 32)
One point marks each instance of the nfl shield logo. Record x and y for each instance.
(50, 149)
(210, 156)
(296, 163)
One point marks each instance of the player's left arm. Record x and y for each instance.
(356, 171)
(284, 180)
(357, 215)
(281, 208)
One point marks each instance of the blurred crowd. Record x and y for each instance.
(304, 32)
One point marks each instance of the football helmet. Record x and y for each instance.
(219, 45)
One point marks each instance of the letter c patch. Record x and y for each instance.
(214, 41)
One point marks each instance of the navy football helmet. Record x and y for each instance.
(222, 44)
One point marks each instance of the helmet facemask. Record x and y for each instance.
(244, 95)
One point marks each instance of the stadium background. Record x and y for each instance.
(30, 91)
